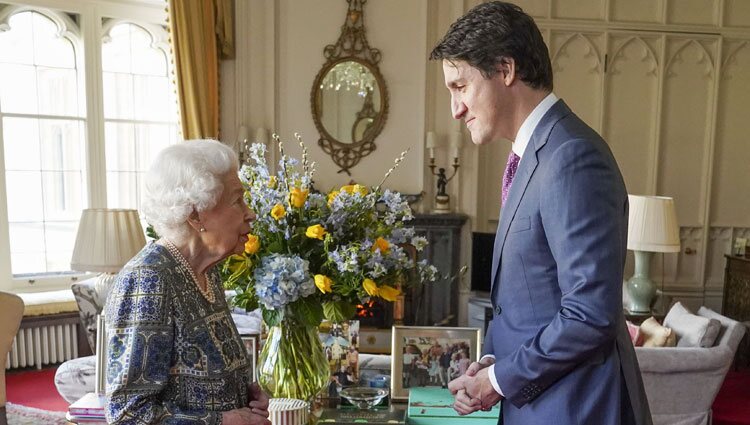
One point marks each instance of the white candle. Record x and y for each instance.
(431, 143)
(261, 135)
(456, 140)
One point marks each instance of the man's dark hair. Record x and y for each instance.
(492, 32)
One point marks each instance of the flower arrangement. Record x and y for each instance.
(318, 255)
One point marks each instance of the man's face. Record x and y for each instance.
(481, 103)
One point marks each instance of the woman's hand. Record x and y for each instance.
(243, 416)
(258, 400)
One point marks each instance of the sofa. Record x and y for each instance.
(682, 382)
(11, 313)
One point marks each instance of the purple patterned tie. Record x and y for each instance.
(510, 172)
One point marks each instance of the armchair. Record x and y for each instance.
(11, 313)
(682, 382)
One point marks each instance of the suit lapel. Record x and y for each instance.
(526, 169)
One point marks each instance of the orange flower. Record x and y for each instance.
(381, 245)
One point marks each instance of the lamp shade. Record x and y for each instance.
(652, 224)
(106, 240)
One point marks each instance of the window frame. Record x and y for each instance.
(87, 36)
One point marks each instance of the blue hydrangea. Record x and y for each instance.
(282, 279)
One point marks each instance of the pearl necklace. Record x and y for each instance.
(207, 293)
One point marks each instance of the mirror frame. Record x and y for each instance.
(351, 46)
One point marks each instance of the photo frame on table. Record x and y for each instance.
(430, 356)
(252, 345)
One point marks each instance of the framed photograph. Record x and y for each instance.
(341, 345)
(430, 356)
(252, 345)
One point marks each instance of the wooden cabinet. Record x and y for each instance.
(736, 304)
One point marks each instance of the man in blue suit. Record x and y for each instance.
(557, 350)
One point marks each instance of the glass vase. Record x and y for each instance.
(292, 363)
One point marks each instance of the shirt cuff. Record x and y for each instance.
(487, 356)
(493, 380)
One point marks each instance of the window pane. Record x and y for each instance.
(150, 139)
(21, 143)
(60, 237)
(16, 44)
(58, 91)
(120, 147)
(122, 189)
(118, 96)
(146, 59)
(62, 145)
(24, 190)
(51, 49)
(116, 50)
(27, 247)
(63, 195)
(18, 89)
(152, 99)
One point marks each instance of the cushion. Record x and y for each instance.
(635, 334)
(48, 302)
(656, 335)
(692, 330)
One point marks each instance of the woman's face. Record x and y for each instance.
(228, 223)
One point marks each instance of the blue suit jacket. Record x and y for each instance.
(563, 355)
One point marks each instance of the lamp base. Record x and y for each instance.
(641, 288)
(103, 285)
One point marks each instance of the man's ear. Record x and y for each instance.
(507, 70)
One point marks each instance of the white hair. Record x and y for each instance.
(185, 177)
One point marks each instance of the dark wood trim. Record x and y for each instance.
(3, 418)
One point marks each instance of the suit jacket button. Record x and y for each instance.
(498, 310)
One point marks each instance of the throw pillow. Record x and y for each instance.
(692, 330)
(656, 335)
(635, 334)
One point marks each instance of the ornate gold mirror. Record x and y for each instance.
(349, 98)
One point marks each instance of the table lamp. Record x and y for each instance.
(106, 240)
(652, 227)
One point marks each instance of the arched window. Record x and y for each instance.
(43, 140)
(139, 107)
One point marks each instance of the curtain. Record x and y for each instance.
(201, 31)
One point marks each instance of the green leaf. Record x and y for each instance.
(338, 311)
(308, 311)
(272, 317)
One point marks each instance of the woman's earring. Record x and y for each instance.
(202, 229)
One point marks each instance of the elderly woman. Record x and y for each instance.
(174, 354)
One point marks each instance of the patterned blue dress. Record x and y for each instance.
(172, 357)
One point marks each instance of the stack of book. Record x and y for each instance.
(88, 410)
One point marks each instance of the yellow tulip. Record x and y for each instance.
(278, 212)
(370, 287)
(354, 188)
(298, 197)
(332, 196)
(323, 283)
(381, 245)
(389, 293)
(316, 232)
(252, 245)
(272, 182)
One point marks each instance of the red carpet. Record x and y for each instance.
(35, 388)
(732, 404)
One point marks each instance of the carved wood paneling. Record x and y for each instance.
(731, 172)
(631, 89)
(685, 130)
(636, 10)
(578, 9)
(577, 64)
(693, 12)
